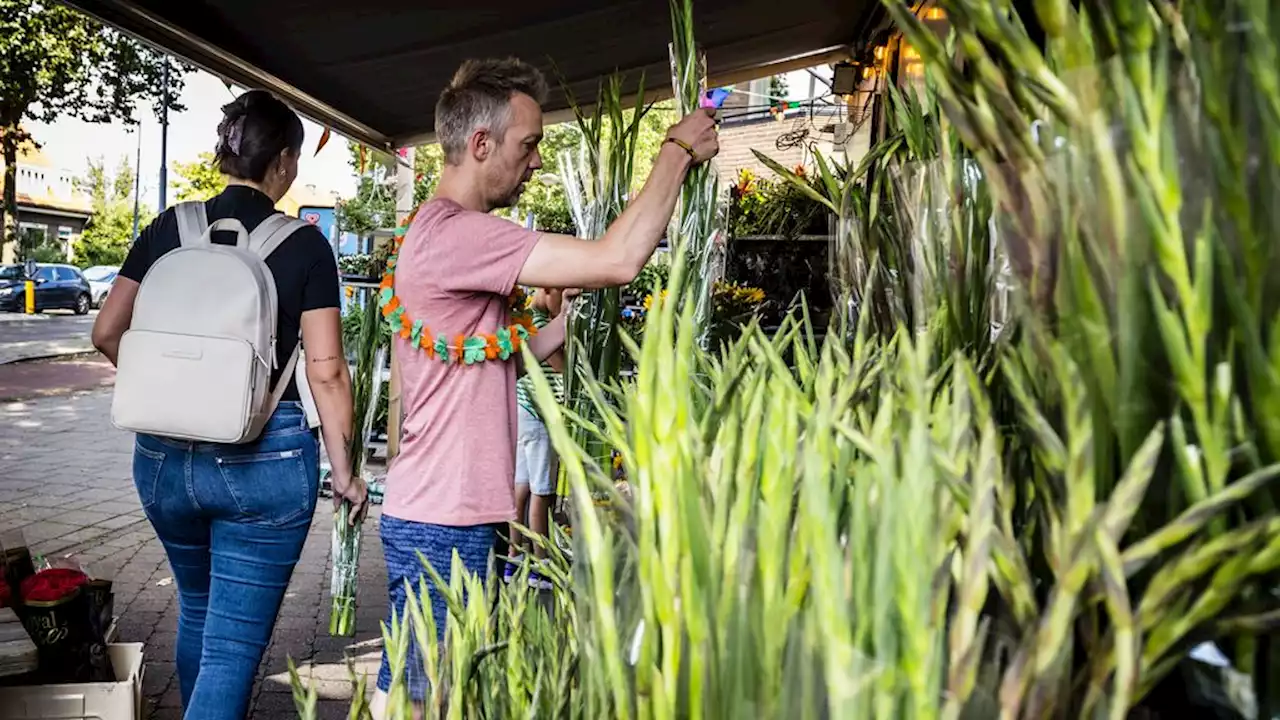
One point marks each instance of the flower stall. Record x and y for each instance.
(1031, 469)
(1031, 475)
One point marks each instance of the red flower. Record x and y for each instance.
(52, 585)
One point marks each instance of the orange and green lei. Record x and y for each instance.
(467, 350)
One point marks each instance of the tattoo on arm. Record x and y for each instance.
(329, 358)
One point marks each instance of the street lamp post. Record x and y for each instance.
(137, 183)
(164, 141)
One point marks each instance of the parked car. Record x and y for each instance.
(100, 278)
(58, 287)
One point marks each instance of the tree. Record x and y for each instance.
(374, 205)
(372, 208)
(198, 180)
(549, 203)
(39, 247)
(58, 63)
(109, 234)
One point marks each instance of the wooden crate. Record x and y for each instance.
(17, 652)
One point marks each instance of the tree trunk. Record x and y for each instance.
(9, 139)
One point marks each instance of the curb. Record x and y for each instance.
(66, 355)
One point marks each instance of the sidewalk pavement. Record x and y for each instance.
(58, 376)
(65, 481)
(32, 337)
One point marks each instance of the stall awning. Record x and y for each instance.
(372, 69)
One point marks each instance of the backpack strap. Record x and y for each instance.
(193, 223)
(278, 391)
(272, 232)
(264, 240)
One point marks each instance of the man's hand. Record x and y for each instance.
(567, 296)
(698, 131)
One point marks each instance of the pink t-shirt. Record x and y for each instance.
(457, 455)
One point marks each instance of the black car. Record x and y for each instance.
(58, 287)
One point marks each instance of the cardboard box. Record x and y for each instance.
(120, 700)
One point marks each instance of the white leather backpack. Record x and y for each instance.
(197, 359)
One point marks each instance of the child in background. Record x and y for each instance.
(536, 465)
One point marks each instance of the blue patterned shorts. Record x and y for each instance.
(477, 545)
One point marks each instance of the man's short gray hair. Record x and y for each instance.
(479, 96)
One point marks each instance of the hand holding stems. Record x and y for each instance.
(353, 490)
(697, 134)
(555, 301)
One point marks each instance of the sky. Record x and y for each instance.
(71, 144)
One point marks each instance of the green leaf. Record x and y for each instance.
(798, 182)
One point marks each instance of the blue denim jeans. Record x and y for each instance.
(233, 519)
(405, 543)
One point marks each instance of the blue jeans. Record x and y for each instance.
(402, 541)
(233, 519)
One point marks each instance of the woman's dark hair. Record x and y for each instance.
(255, 129)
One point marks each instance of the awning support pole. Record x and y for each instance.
(404, 206)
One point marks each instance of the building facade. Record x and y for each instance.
(789, 135)
(51, 211)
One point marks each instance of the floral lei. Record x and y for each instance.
(501, 345)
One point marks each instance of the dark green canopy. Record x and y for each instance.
(372, 69)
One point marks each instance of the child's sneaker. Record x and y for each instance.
(538, 582)
(512, 567)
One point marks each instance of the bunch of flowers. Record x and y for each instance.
(52, 585)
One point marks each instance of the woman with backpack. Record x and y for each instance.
(226, 462)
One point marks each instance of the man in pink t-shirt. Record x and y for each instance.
(452, 486)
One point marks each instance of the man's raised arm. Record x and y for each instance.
(560, 261)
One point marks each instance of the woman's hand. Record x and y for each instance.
(352, 490)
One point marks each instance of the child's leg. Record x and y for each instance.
(542, 484)
(517, 543)
(528, 429)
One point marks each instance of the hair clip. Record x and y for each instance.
(235, 136)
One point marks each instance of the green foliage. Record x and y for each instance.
(428, 164)
(58, 63)
(39, 247)
(700, 215)
(109, 234)
(761, 207)
(653, 277)
(199, 179)
(374, 205)
(372, 208)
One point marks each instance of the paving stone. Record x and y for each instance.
(73, 539)
(171, 698)
(163, 642)
(47, 530)
(83, 517)
(333, 709)
(274, 705)
(122, 521)
(121, 506)
(158, 677)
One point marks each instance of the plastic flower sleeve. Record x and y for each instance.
(597, 180)
(346, 537)
(701, 216)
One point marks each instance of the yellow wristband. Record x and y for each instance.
(684, 146)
